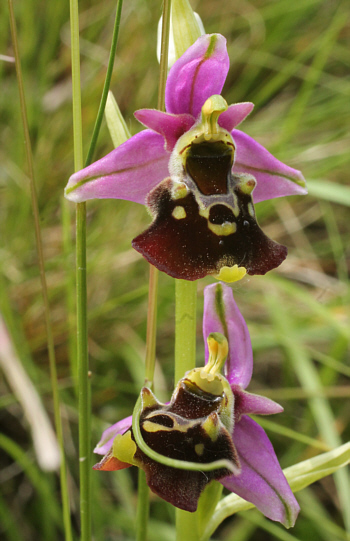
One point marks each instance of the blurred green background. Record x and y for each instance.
(292, 60)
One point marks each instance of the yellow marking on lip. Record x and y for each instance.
(211, 426)
(179, 213)
(199, 448)
(231, 274)
(247, 184)
(179, 192)
(225, 229)
(153, 426)
(251, 210)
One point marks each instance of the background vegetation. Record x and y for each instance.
(292, 60)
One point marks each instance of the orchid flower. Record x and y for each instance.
(206, 424)
(198, 175)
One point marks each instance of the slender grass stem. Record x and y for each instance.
(39, 247)
(67, 242)
(185, 359)
(83, 377)
(107, 83)
(82, 352)
(143, 490)
(151, 326)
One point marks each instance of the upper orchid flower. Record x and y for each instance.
(207, 420)
(198, 174)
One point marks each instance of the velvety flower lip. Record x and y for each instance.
(260, 479)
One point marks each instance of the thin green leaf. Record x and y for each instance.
(329, 191)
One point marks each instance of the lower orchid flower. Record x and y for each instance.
(198, 175)
(205, 431)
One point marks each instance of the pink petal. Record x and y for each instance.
(106, 441)
(198, 74)
(128, 172)
(274, 178)
(221, 314)
(253, 404)
(171, 127)
(235, 114)
(261, 481)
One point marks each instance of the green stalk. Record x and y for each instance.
(107, 83)
(82, 353)
(39, 247)
(143, 490)
(142, 507)
(82, 350)
(151, 327)
(83, 377)
(185, 359)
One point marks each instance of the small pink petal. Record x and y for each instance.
(171, 127)
(235, 114)
(128, 172)
(198, 74)
(261, 480)
(274, 178)
(253, 404)
(106, 441)
(221, 314)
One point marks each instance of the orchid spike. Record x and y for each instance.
(198, 175)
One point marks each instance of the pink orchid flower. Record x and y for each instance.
(258, 477)
(197, 173)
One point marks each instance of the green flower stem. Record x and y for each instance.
(39, 247)
(186, 526)
(185, 359)
(142, 507)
